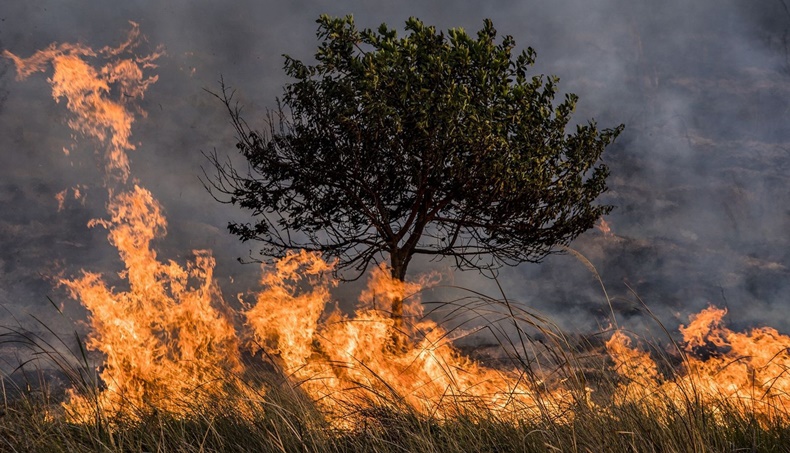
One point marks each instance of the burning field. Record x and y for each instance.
(168, 363)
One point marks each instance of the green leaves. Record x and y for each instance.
(423, 143)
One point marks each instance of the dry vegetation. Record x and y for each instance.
(264, 410)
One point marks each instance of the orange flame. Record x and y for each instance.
(164, 341)
(346, 361)
(747, 371)
(89, 91)
(77, 194)
(636, 366)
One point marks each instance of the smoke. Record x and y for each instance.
(699, 177)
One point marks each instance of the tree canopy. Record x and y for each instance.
(430, 143)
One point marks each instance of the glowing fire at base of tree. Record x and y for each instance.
(346, 362)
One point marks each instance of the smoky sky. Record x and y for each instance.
(699, 178)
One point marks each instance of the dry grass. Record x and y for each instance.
(283, 419)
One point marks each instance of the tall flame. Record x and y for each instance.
(166, 345)
(165, 342)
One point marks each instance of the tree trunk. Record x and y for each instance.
(399, 263)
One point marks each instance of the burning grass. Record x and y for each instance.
(627, 405)
(176, 373)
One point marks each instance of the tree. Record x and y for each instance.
(426, 144)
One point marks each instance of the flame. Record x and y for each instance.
(722, 368)
(603, 227)
(61, 198)
(636, 366)
(346, 362)
(77, 194)
(165, 342)
(100, 99)
(166, 345)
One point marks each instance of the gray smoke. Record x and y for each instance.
(699, 177)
